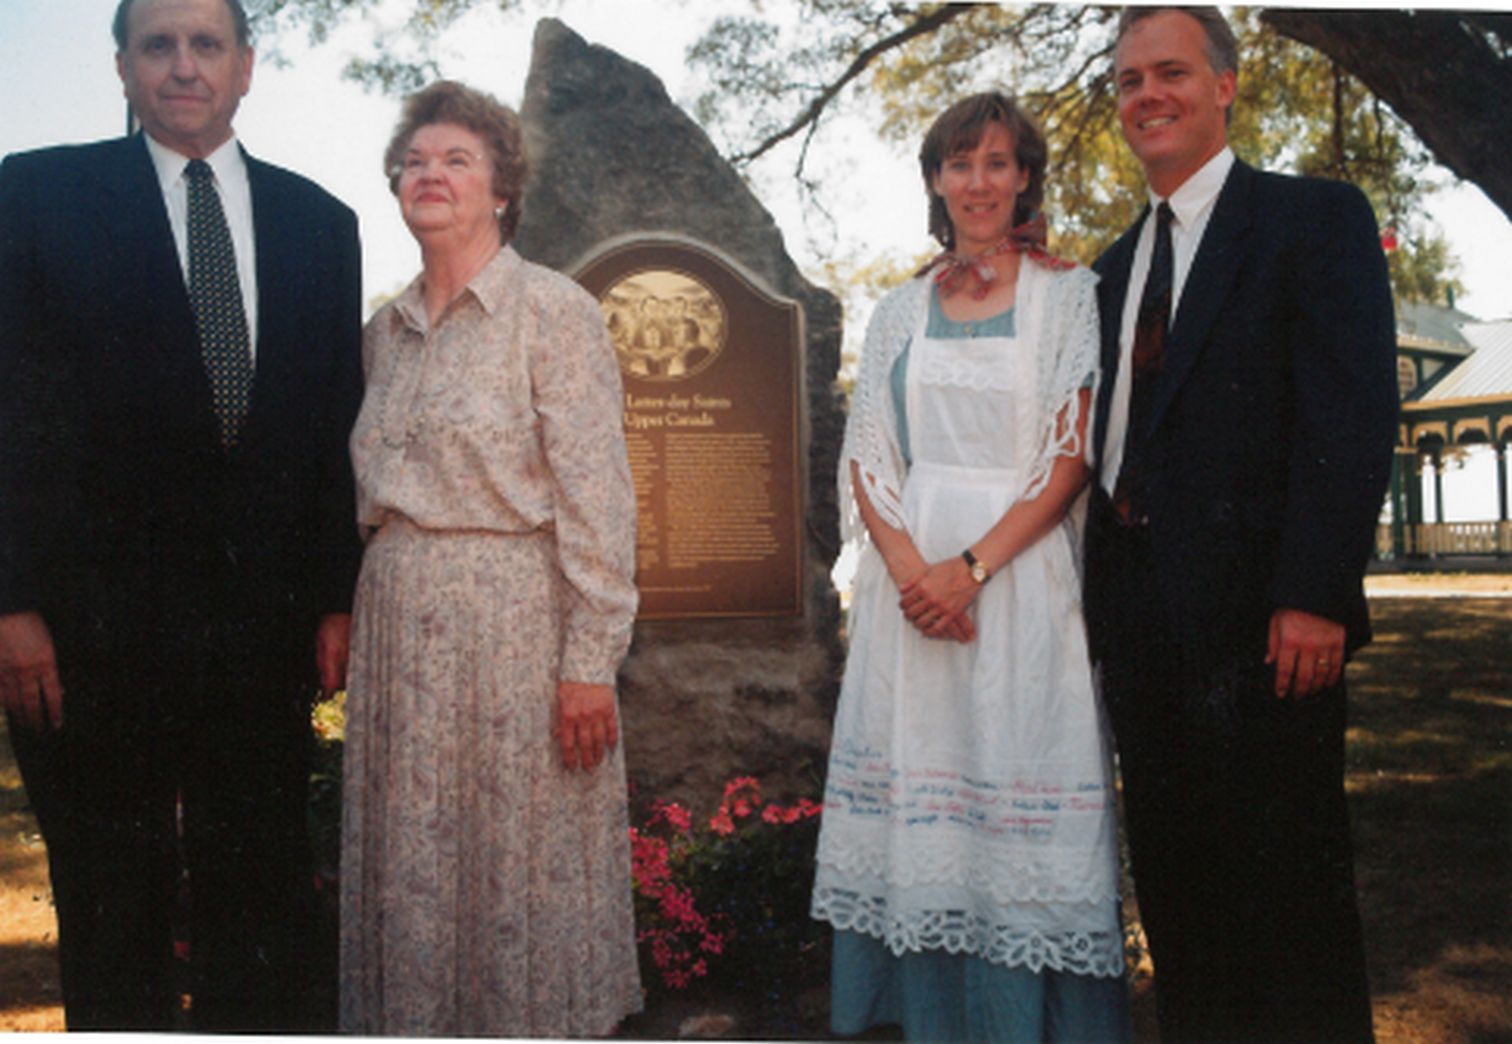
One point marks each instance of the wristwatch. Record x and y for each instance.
(978, 570)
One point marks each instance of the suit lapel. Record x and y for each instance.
(275, 261)
(145, 282)
(1113, 268)
(1224, 245)
(135, 222)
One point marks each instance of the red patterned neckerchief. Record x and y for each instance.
(1027, 239)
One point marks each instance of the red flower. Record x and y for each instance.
(678, 817)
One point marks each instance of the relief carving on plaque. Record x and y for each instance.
(666, 325)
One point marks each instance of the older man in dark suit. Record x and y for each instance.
(179, 370)
(1244, 431)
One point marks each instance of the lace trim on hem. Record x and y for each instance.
(1098, 954)
(1009, 882)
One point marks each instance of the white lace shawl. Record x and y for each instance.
(1056, 311)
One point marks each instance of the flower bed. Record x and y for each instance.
(726, 900)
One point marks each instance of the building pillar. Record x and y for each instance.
(1412, 514)
(1402, 473)
(1501, 479)
(1438, 486)
(1503, 544)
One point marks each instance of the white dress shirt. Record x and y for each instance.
(1191, 207)
(230, 171)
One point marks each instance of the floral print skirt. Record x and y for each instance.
(485, 889)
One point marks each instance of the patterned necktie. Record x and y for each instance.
(1148, 359)
(215, 296)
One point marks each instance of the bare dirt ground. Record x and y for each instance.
(29, 998)
(1439, 585)
(1430, 781)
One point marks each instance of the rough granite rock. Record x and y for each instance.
(702, 700)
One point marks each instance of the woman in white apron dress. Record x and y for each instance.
(968, 857)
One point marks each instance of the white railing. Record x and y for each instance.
(1450, 538)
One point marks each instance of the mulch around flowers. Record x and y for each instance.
(1430, 783)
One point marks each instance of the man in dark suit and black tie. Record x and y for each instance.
(179, 371)
(1244, 431)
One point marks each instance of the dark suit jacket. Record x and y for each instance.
(146, 547)
(1269, 446)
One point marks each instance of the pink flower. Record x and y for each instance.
(742, 783)
(671, 813)
(677, 906)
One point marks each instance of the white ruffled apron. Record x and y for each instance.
(969, 804)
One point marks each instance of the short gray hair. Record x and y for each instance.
(118, 27)
(1222, 49)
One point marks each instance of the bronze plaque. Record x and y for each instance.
(710, 362)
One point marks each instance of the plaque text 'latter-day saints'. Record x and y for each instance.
(710, 363)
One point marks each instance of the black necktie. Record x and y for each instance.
(215, 296)
(1148, 359)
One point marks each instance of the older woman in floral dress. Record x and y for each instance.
(485, 860)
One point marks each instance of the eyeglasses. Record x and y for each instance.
(456, 161)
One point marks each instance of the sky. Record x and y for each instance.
(58, 84)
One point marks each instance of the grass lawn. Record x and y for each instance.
(1430, 783)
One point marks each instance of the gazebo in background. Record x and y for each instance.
(1455, 376)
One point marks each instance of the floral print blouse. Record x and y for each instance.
(506, 417)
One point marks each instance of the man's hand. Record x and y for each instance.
(1308, 652)
(586, 726)
(29, 685)
(333, 646)
(936, 602)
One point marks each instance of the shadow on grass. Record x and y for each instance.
(28, 978)
(1430, 778)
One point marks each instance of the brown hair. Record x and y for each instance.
(447, 101)
(960, 129)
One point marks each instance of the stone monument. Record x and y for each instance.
(704, 697)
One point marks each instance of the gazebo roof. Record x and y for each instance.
(1488, 369)
(1421, 325)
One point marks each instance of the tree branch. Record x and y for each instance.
(921, 26)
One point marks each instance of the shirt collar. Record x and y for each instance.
(490, 288)
(490, 285)
(169, 164)
(1197, 192)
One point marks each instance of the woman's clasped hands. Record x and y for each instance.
(936, 600)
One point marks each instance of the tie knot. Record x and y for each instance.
(1164, 213)
(198, 170)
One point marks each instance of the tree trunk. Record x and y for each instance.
(1446, 73)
